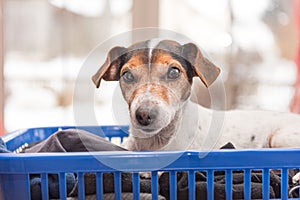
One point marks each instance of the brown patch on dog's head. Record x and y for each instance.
(156, 90)
(191, 58)
(179, 88)
(161, 92)
(137, 60)
(165, 59)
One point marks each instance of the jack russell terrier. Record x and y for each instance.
(156, 80)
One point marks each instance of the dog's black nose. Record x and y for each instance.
(145, 116)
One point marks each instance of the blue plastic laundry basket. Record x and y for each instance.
(15, 169)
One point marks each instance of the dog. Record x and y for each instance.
(156, 79)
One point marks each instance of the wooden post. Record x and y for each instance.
(145, 13)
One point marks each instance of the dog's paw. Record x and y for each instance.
(145, 175)
(296, 178)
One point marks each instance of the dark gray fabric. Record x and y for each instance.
(220, 185)
(73, 140)
(108, 186)
(125, 196)
(3, 148)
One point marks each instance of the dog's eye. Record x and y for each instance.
(128, 77)
(173, 73)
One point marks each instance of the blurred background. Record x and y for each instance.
(45, 42)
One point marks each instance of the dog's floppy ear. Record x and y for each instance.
(202, 67)
(109, 71)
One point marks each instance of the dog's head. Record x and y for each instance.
(155, 79)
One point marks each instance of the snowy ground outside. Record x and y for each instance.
(32, 94)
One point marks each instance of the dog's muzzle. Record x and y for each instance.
(150, 108)
(146, 115)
